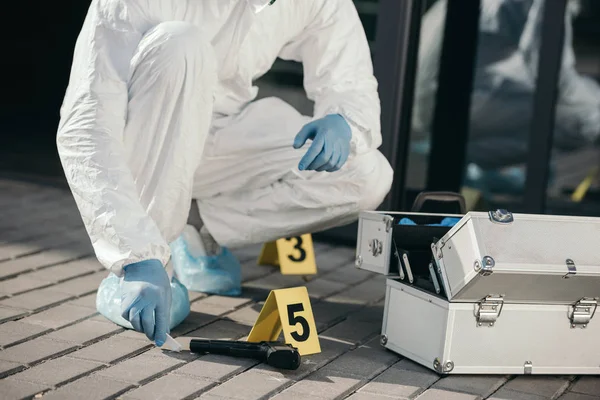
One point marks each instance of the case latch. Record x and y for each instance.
(501, 216)
(571, 269)
(582, 312)
(488, 310)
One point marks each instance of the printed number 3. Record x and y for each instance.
(298, 247)
(295, 319)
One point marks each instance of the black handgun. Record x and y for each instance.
(276, 354)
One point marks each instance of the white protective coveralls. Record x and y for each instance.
(159, 111)
(505, 83)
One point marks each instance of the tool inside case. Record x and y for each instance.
(412, 261)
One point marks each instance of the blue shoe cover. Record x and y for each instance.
(220, 274)
(108, 301)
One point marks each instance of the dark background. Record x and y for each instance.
(36, 53)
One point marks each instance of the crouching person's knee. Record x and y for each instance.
(176, 47)
(376, 176)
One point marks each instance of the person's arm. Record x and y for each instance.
(90, 133)
(338, 71)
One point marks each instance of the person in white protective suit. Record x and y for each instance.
(504, 88)
(160, 111)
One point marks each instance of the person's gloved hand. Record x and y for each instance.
(330, 143)
(146, 299)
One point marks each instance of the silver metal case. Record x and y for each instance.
(497, 293)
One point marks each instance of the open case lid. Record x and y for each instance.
(525, 258)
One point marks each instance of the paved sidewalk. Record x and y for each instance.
(54, 345)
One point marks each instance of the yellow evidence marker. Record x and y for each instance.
(294, 255)
(288, 310)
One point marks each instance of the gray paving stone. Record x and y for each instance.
(83, 285)
(170, 387)
(399, 383)
(587, 385)
(42, 259)
(323, 384)
(245, 315)
(85, 331)
(15, 390)
(371, 396)
(274, 281)
(35, 350)
(185, 355)
(578, 396)
(34, 245)
(546, 386)
(22, 283)
(349, 276)
(251, 271)
(140, 368)
(249, 386)
(17, 331)
(477, 385)
(366, 292)
(372, 314)
(88, 301)
(327, 313)
(220, 330)
(344, 374)
(9, 367)
(58, 371)
(215, 368)
(218, 305)
(59, 316)
(10, 313)
(247, 252)
(95, 388)
(67, 270)
(112, 349)
(507, 394)
(330, 258)
(36, 300)
(127, 333)
(366, 361)
(193, 296)
(408, 365)
(437, 394)
(353, 331)
(322, 287)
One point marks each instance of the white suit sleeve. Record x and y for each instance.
(89, 138)
(338, 71)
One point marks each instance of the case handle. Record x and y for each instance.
(440, 197)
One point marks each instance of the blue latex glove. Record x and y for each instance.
(108, 301)
(146, 299)
(445, 222)
(330, 146)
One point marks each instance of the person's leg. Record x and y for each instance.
(169, 114)
(170, 105)
(249, 189)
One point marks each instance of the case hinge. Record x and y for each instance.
(389, 222)
(488, 310)
(582, 312)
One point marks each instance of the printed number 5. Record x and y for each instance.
(295, 319)
(298, 247)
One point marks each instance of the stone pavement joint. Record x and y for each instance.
(35, 351)
(58, 371)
